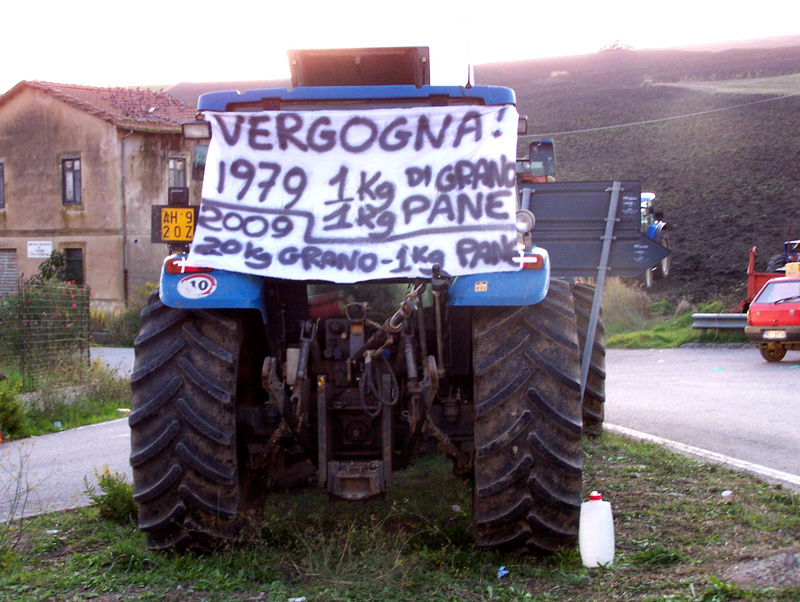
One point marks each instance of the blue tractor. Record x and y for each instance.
(791, 254)
(363, 276)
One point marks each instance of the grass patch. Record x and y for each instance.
(676, 537)
(780, 84)
(634, 321)
(91, 394)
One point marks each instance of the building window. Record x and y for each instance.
(74, 268)
(2, 187)
(199, 161)
(71, 181)
(9, 277)
(177, 172)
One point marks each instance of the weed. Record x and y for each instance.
(115, 502)
(123, 325)
(625, 308)
(97, 319)
(15, 490)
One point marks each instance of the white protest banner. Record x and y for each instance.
(356, 195)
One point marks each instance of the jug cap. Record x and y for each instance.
(595, 496)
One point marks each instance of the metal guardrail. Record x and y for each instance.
(705, 321)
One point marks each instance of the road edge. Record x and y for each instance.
(769, 474)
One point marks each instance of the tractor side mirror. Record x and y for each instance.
(542, 157)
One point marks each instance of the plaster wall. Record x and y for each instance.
(146, 160)
(36, 133)
(123, 174)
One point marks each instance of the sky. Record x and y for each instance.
(149, 42)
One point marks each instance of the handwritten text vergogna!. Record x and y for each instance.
(357, 134)
(418, 188)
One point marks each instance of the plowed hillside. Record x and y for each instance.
(727, 178)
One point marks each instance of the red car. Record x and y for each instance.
(773, 319)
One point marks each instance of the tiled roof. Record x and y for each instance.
(189, 92)
(127, 108)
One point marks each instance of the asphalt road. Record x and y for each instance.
(46, 473)
(727, 401)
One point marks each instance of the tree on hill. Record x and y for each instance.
(615, 46)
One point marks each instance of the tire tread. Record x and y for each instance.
(528, 425)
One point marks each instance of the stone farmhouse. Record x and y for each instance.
(80, 169)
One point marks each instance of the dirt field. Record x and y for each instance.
(726, 180)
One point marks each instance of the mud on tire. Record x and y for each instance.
(528, 454)
(594, 397)
(189, 475)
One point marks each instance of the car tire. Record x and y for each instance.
(772, 353)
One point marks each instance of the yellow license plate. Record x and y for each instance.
(177, 224)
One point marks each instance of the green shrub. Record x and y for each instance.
(13, 421)
(52, 268)
(115, 502)
(9, 329)
(662, 307)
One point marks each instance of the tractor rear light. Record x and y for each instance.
(196, 130)
(530, 261)
(178, 266)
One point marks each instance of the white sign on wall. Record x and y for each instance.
(40, 249)
(358, 195)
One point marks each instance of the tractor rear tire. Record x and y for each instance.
(594, 397)
(190, 475)
(528, 453)
(776, 263)
(662, 269)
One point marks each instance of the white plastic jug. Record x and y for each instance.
(596, 532)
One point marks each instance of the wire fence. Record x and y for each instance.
(44, 326)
